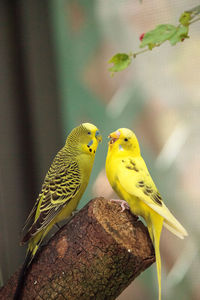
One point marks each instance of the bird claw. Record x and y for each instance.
(75, 212)
(124, 205)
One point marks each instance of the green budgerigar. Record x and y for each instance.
(62, 189)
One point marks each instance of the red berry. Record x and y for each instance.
(142, 36)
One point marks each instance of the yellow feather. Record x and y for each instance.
(130, 178)
(156, 227)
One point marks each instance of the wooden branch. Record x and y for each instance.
(95, 255)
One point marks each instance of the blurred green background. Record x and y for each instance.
(54, 76)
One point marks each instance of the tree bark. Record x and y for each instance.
(96, 255)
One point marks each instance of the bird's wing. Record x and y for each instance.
(59, 189)
(134, 177)
(30, 218)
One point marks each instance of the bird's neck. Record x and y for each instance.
(85, 162)
(71, 149)
(122, 153)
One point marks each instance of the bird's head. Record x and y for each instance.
(123, 139)
(84, 138)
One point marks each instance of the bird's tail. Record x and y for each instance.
(170, 222)
(155, 232)
(32, 249)
(22, 275)
(176, 228)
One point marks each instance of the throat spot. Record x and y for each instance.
(90, 143)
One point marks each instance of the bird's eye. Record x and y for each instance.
(126, 140)
(89, 132)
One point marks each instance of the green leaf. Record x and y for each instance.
(180, 34)
(158, 35)
(185, 18)
(121, 61)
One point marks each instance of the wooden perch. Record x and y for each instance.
(95, 255)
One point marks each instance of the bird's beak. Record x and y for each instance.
(98, 136)
(114, 136)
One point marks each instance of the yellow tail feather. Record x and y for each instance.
(173, 230)
(170, 222)
(155, 229)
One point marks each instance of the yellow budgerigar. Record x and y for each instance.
(130, 178)
(62, 189)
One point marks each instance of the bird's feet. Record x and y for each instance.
(124, 205)
(75, 212)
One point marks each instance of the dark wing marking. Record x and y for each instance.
(148, 189)
(140, 184)
(157, 198)
(130, 164)
(31, 217)
(59, 188)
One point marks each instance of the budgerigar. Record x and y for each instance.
(130, 178)
(62, 189)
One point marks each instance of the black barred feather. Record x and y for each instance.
(61, 182)
(59, 187)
